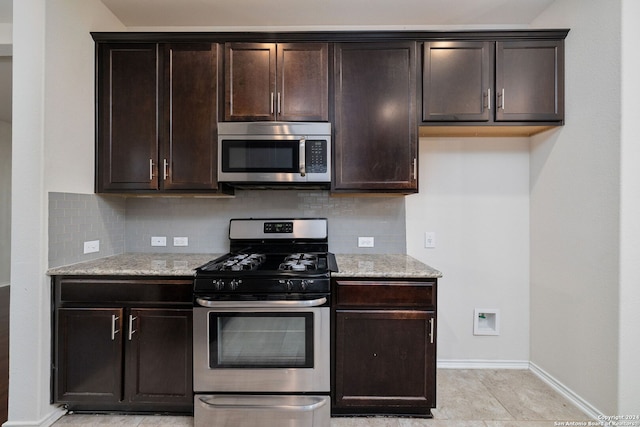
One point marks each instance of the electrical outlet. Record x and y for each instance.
(429, 239)
(158, 241)
(365, 242)
(92, 246)
(180, 241)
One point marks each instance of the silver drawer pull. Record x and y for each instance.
(307, 404)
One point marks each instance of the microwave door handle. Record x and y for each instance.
(302, 158)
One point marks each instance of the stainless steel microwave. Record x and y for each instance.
(274, 153)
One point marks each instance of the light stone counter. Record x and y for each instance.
(383, 266)
(155, 264)
(137, 264)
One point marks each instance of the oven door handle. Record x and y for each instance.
(269, 404)
(260, 304)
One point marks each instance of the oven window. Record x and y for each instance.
(260, 340)
(260, 156)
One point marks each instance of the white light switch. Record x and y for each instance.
(365, 242)
(180, 241)
(429, 239)
(92, 246)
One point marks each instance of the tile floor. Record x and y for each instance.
(466, 398)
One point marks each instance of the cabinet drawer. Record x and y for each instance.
(115, 290)
(385, 293)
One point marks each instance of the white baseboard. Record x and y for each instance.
(582, 404)
(482, 364)
(45, 421)
(565, 391)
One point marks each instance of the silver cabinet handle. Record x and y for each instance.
(489, 99)
(415, 168)
(263, 402)
(431, 330)
(114, 331)
(271, 108)
(260, 304)
(502, 100)
(131, 330)
(302, 156)
(279, 104)
(150, 169)
(166, 169)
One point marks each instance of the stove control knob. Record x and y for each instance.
(304, 284)
(289, 284)
(234, 284)
(219, 284)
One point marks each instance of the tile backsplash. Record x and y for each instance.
(127, 224)
(77, 218)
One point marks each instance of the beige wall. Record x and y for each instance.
(575, 207)
(52, 146)
(474, 194)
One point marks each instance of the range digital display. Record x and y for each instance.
(278, 227)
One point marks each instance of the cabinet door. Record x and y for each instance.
(127, 117)
(159, 361)
(250, 81)
(456, 81)
(385, 361)
(88, 355)
(302, 87)
(375, 117)
(189, 112)
(530, 80)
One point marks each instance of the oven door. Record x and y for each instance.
(261, 346)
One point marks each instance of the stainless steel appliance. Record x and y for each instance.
(274, 154)
(261, 334)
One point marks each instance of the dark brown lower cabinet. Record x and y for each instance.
(385, 354)
(122, 358)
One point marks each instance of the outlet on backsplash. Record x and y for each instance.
(158, 241)
(365, 242)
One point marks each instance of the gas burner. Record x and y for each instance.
(299, 262)
(241, 262)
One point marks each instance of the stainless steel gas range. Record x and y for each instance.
(261, 334)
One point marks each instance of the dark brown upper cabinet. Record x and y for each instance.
(457, 81)
(157, 109)
(376, 127)
(283, 81)
(530, 80)
(520, 82)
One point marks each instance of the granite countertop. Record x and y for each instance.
(137, 264)
(395, 265)
(155, 264)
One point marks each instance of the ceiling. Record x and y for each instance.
(261, 13)
(300, 13)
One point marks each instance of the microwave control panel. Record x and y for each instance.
(316, 156)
